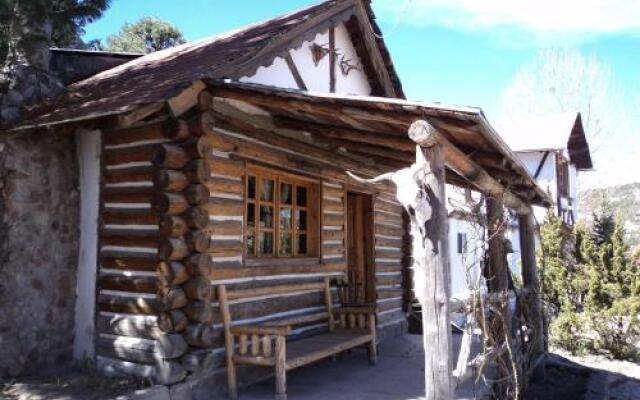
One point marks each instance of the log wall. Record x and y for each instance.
(172, 228)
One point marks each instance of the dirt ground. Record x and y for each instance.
(68, 384)
(399, 375)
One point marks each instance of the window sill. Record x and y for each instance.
(269, 261)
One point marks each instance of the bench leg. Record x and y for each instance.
(281, 371)
(373, 348)
(373, 353)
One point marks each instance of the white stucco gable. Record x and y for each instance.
(316, 76)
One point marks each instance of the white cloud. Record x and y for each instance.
(539, 19)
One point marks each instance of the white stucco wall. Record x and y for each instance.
(88, 145)
(546, 179)
(316, 78)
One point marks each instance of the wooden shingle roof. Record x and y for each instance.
(159, 76)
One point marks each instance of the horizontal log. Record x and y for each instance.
(199, 311)
(172, 321)
(169, 203)
(332, 235)
(172, 273)
(173, 249)
(197, 171)
(132, 305)
(333, 220)
(389, 207)
(122, 217)
(383, 218)
(225, 166)
(133, 175)
(199, 288)
(170, 180)
(165, 372)
(128, 155)
(142, 350)
(110, 239)
(141, 195)
(197, 194)
(224, 207)
(170, 156)
(198, 361)
(271, 290)
(388, 230)
(202, 242)
(198, 265)
(275, 269)
(203, 335)
(172, 298)
(128, 284)
(129, 264)
(173, 226)
(144, 326)
(222, 185)
(154, 131)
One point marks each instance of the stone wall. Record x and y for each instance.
(39, 203)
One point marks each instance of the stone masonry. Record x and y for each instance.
(39, 206)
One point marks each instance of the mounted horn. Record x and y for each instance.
(380, 178)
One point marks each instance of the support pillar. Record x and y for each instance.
(431, 260)
(530, 281)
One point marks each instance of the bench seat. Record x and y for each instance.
(317, 347)
(268, 344)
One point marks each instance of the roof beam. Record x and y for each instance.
(424, 134)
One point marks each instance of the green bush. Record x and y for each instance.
(566, 332)
(618, 328)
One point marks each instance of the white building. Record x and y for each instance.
(553, 149)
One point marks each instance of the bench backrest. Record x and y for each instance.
(225, 296)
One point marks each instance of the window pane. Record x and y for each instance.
(251, 214)
(251, 242)
(266, 217)
(285, 193)
(301, 220)
(285, 217)
(266, 243)
(301, 196)
(302, 244)
(266, 190)
(251, 187)
(286, 248)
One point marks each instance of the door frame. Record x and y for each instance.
(368, 223)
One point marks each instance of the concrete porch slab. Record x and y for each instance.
(399, 375)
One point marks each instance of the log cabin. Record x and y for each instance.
(214, 193)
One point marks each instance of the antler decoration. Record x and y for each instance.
(346, 66)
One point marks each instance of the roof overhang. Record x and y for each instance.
(378, 129)
(578, 147)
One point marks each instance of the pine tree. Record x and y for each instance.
(147, 35)
(603, 223)
(29, 28)
(621, 271)
(556, 261)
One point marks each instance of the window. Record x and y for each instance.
(280, 214)
(462, 243)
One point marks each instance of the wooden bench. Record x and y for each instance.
(266, 344)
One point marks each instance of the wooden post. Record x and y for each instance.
(497, 280)
(281, 371)
(232, 382)
(530, 280)
(430, 254)
(498, 283)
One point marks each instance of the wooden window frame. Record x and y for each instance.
(312, 209)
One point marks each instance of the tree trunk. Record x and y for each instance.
(25, 77)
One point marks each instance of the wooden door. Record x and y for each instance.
(361, 273)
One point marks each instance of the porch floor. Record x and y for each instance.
(399, 375)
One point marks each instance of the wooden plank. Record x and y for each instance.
(294, 72)
(186, 99)
(332, 60)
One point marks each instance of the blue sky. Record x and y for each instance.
(462, 52)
